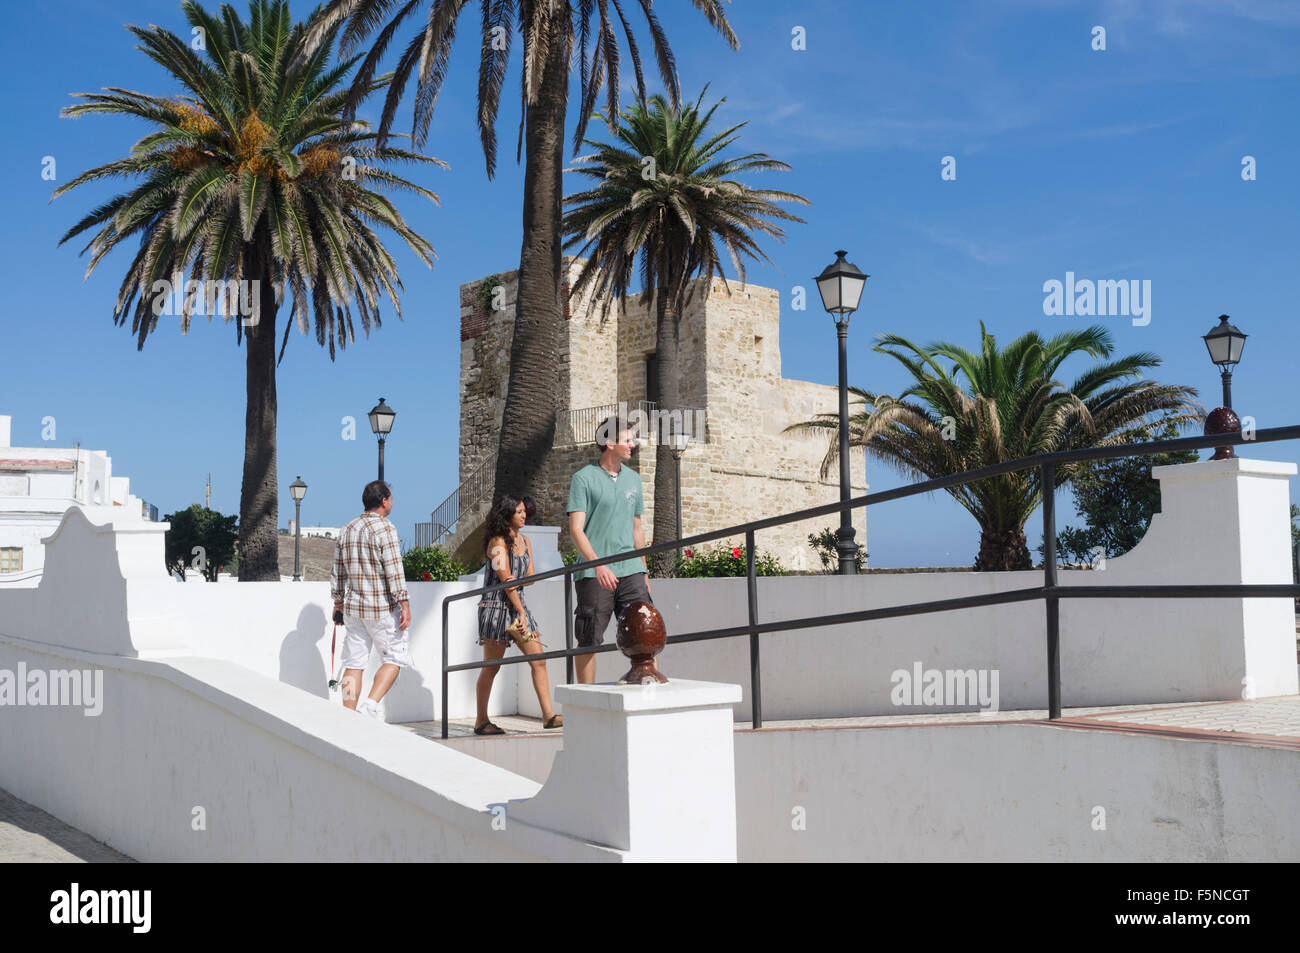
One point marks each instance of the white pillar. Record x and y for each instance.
(647, 769)
(546, 547)
(1230, 519)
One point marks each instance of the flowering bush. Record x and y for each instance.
(431, 564)
(724, 561)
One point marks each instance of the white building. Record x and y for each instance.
(38, 484)
(324, 532)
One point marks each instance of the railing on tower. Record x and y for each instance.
(577, 427)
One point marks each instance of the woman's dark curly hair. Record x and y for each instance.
(499, 520)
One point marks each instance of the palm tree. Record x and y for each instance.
(254, 177)
(998, 405)
(667, 198)
(549, 30)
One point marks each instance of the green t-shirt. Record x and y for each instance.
(610, 505)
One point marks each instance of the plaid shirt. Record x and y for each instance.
(368, 577)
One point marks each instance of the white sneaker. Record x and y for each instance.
(370, 707)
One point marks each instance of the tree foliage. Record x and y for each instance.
(963, 410)
(1117, 499)
(212, 534)
(665, 210)
(254, 189)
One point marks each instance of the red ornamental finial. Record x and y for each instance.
(642, 636)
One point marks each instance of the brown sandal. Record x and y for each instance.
(487, 728)
(555, 721)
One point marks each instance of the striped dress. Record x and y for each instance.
(495, 613)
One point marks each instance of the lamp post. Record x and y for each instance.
(381, 422)
(297, 489)
(1225, 343)
(679, 442)
(840, 285)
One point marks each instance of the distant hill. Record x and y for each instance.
(317, 556)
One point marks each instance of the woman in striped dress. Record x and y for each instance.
(509, 557)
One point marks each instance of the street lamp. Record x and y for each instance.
(381, 422)
(297, 489)
(1225, 343)
(840, 286)
(679, 442)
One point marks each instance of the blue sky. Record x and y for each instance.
(1122, 163)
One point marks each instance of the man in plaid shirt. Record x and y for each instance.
(368, 586)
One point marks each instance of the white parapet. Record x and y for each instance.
(646, 769)
(1225, 522)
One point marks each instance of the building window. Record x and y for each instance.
(11, 559)
(652, 378)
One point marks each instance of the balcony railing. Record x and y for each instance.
(647, 420)
(1051, 591)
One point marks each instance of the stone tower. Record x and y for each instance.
(739, 466)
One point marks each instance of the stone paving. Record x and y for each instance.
(464, 727)
(1272, 717)
(1278, 717)
(29, 835)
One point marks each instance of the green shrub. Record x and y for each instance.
(725, 560)
(823, 545)
(487, 291)
(439, 564)
(571, 557)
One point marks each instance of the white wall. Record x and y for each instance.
(1113, 651)
(283, 631)
(279, 776)
(1221, 522)
(187, 755)
(1012, 793)
(994, 793)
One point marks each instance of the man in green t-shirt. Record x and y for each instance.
(605, 507)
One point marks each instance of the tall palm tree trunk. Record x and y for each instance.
(528, 422)
(259, 516)
(669, 385)
(1002, 550)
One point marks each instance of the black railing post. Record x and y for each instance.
(446, 606)
(755, 680)
(1053, 601)
(568, 628)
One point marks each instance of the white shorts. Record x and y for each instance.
(382, 634)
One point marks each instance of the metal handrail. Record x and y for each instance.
(447, 513)
(1051, 591)
(579, 424)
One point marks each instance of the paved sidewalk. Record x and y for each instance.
(29, 835)
(1263, 720)
(464, 727)
(1272, 722)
